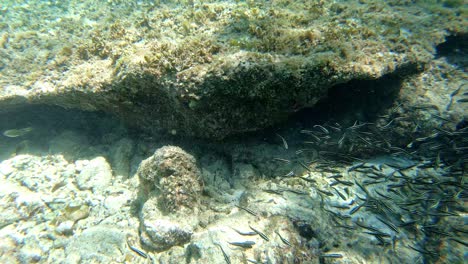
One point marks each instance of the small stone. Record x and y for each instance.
(65, 228)
(162, 234)
(6, 169)
(115, 203)
(96, 175)
(29, 255)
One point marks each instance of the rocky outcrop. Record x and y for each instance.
(172, 175)
(212, 69)
(170, 187)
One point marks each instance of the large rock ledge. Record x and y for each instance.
(213, 69)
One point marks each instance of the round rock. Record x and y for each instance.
(174, 176)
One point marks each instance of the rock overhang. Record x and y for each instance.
(224, 69)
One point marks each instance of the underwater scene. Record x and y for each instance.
(234, 131)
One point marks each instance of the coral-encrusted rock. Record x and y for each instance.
(162, 234)
(173, 176)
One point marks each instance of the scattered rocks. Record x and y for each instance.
(41, 208)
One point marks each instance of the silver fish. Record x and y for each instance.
(12, 133)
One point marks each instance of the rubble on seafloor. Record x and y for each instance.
(388, 208)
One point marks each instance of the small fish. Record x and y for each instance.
(273, 191)
(339, 194)
(381, 240)
(331, 170)
(284, 240)
(226, 257)
(299, 192)
(305, 166)
(331, 255)
(428, 230)
(285, 144)
(354, 167)
(426, 138)
(336, 176)
(423, 251)
(337, 215)
(340, 206)
(243, 244)
(464, 100)
(409, 223)
(307, 179)
(313, 135)
(327, 193)
(12, 133)
(262, 235)
(443, 213)
(362, 187)
(341, 141)
(282, 160)
(371, 228)
(324, 130)
(459, 230)
(387, 125)
(346, 227)
(247, 210)
(378, 234)
(248, 233)
(347, 183)
(136, 250)
(459, 241)
(356, 208)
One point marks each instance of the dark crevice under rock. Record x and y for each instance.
(361, 100)
(57, 119)
(455, 49)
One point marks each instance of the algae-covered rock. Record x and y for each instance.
(96, 245)
(95, 175)
(211, 68)
(162, 234)
(174, 174)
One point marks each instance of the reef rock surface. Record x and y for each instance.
(210, 68)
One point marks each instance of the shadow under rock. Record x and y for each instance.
(53, 130)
